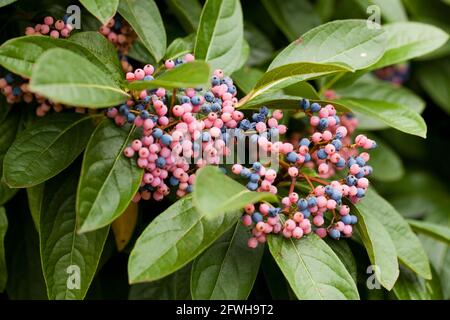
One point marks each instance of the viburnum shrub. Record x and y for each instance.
(204, 159)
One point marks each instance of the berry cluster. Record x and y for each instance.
(323, 211)
(54, 29)
(15, 88)
(194, 127)
(122, 36)
(396, 74)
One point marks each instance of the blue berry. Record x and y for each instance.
(312, 201)
(257, 217)
(321, 154)
(209, 96)
(346, 219)
(252, 186)
(337, 144)
(351, 180)
(302, 204)
(160, 162)
(256, 166)
(305, 142)
(273, 212)
(130, 117)
(292, 157)
(304, 104)
(157, 133)
(195, 100)
(166, 139)
(254, 177)
(173, 181)
(335, 234)
(144, 114)
(360, 193)
(315, 107)
(246, 173)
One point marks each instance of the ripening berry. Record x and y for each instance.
(293, 172)
(129, 152)
(169, 64)
(297, 233)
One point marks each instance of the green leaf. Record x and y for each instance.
(409, 249)
(227, 269)
(275, 280)
(312, 269)
(46, 148)
(5, 107)
(261, 48)
(348, 42)
(245, 53)
(187, 75)
(409, 40)
(146, 21)
(140, 53)
(35, 195)
(434, 76)
(391, 10)
(8, 128)
(25, 279)
(3, 269)
(99, 47)
(342, 250)
(286, 75)
(187, 11)
(386, 164)
(173, 239)
(173, 287)
(215, 193)
(293, 17)
(394, 115)
(6, 2)
(67, 257)
(220, 34)
(379, 91)
(180, 46)
(246, 78)
(439, 254)
(87, 85)
(108, 179)
(436, 231)
(379, 246)
(20, 54)
(409, 286)
(302, 89)
(103, 10)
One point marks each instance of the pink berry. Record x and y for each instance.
(169, 64)
(289, 225)
(252, 243)
(129, 152)
(297, 233)
(321, 232)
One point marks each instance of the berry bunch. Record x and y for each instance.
(15, 88)
(203, 124)
(122, 36)
(396, 74)
(323, 211)
(195, 127)
(54, 29)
